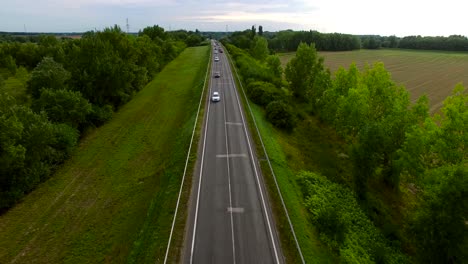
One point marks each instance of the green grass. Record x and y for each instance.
(290, 153)
(114, 200)
(434, 73)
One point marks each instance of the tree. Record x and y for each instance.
(47, 74)
(156, 33)
(280, 115)
(303, 70)
(260, 30)
(63, 106)
(441, 235)
(252, 32)
(260, 48)
(274, 63)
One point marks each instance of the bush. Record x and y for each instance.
(100, 115)
(343, 225)
(263, 93)
(280, 115)
(63, 106)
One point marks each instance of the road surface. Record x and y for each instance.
(229, 220)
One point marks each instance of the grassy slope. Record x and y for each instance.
(113, 200)
(289, 154)
(434, 73)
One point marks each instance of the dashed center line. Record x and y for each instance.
(233, 123)
(231, 156)
(235, 209)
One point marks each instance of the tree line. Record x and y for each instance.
(392, 143)
(288, 40)
(450, 43)
(72, 85)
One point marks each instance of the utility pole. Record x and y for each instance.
(25, 31)
(128, 27)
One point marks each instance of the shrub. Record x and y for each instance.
(100, 115)
(263, 93)
(63, 106)
(280, 115)
(343, 225)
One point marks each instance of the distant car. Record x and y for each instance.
(216, 58)
(215, 52)
(217, 74)
(220, 50)
(215, 97)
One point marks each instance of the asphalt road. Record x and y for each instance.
(229, 219)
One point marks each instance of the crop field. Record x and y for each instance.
(113, 200)
(422, 72)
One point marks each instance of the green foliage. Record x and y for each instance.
(453, 43)
(105, 68)
(31, 147)
(306, 74)
(274, 63)
(343, 225)
(440, 140)
(439, 225)
(8, 62)
(289, 40)
(63, 106)
(259, 48)
(155, 33)
(251, 69)
(263, 93)
(100, 114)
(47, 74)
(280, 115)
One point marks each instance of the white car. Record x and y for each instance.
(215, 97)
(216, 58)
(217, 74)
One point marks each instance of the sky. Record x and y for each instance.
(363, 17)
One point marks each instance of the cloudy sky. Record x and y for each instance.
(397, 17)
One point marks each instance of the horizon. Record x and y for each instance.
(361, 17)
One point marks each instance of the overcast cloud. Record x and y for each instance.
(398, 17)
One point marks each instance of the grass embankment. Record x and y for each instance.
(434, 73)
(113, 201)
(309, 147)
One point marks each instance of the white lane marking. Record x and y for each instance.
(231, 156)
(229, 182)
(256, 174)
(200, 180)
(233, 123)
(235, 209)
(186, 164)
(272, 172)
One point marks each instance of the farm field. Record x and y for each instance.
(422, 72)
(113, 201)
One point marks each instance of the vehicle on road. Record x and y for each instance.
(215, 97)
(217, 74)
(216, 59)
(220, 51)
